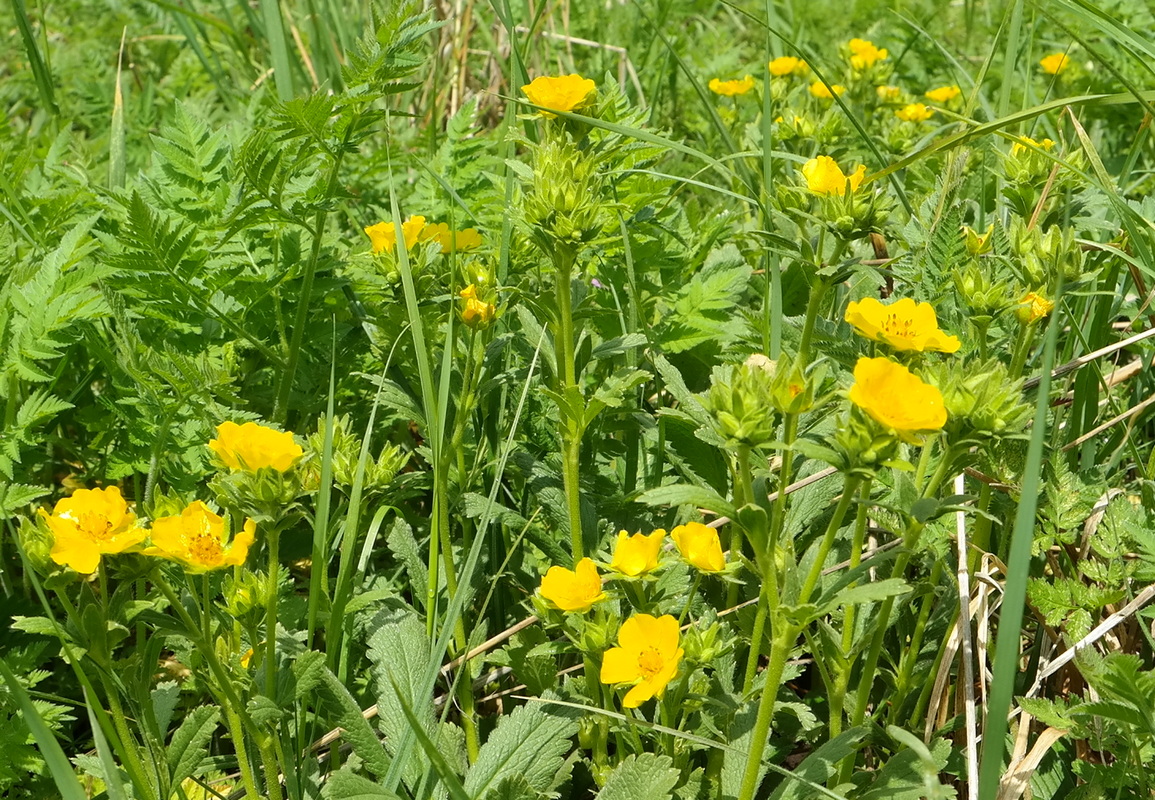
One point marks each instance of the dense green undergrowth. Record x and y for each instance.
(336, 351)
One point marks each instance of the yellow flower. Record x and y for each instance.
(897, 398)
(915, 112)
(637, 554)
(787, 65)
(563, 93)
(1021, 146)
(468, 239)
(252, 446)
(1033, 307)
(1054, 63)
(647, 657)
(476, 311)
(822, 91)
(89, 524)
(904, 325)
(573, 589)
(888, 94)
(246, 658)
(823, 176)
(197, 539)
(943, 94)
(699, 546)
(864, 54)
(383, 237)
(731, 88)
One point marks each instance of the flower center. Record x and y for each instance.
(897, 326)
(650, 662)
(97, 527)
(205, 549)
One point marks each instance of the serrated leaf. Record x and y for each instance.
(189, 745)
(531, 742)
(399, 652)
(355, 729)
(646, 775)
(345, 784)
(680, 494)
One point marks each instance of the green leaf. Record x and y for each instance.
(531, 742)
(819, 765)
(347, 785)
(189, 745)
(865, 593)
(355, 729)
(682, 494)
(908, 774)
(646, 775)
(399, 652)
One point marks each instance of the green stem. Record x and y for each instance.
(120, 723)
(849, 485)
(743, 494)
(568, 389)
(1022, 348)
(755, 646)
(785, 473)
(232, 704)
(690, 597)
(784, 636)
(285, 387)
(842, 681)
(272, 595)
(882, 622)
(237, 731)
(270, 764)
(906, 665)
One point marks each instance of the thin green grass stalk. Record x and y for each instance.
(319, 569)
(457, 602)
(59, 767)
(113, 785)
(278, 42)
(335, 629)
(41, 70)
(1007, 645)
(285, 388)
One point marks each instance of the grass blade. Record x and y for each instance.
(36, 60)
(1018, 570)
(58, 765)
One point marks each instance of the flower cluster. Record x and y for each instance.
(383, 236)
(96, 522)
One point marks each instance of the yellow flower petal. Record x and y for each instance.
(619, 666)
(197, 539)
(1054, 63)
(573, 590)
(915, 112)
(823, 176)
(904, 325)
(638, 554)
(564, 93)
(731, 88)
(252, 446)
(648, 656)
(787, 65)
(897, 398)
(89, 524)
(943, 94)
(699, 546)
(824, 92)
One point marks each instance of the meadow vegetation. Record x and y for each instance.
(688, 399)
